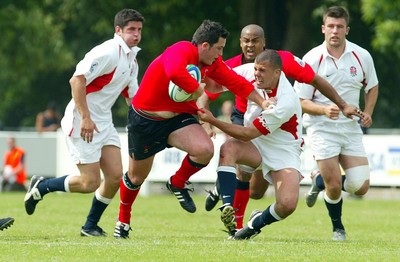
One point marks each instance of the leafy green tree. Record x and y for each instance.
(384, 15)
(43, 40)
(32, 44)
(383, 18)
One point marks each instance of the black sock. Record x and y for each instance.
(96, 211)
(242, 185)
(52, 185)
(335, 213)
(319, 181)
(266, 218)
(227, 183)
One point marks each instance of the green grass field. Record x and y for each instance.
(163, 231)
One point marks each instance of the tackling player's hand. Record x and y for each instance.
(204, 117)
(350, 111)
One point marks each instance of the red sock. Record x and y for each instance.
(187, 169)
(240, 203)
(127, 197)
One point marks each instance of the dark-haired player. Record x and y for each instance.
(155, 124)
(107, 71)
(336, 141)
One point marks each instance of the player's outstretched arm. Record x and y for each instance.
(327, 90)
(236, 131)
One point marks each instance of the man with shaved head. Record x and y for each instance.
(252, 42)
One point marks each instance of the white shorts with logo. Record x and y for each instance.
(332, 139)
(275, 157)
(83, 152)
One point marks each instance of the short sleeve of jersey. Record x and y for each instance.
(303, 89)
(371, 78)
(271, 119)
(296, 68)
(97, 62)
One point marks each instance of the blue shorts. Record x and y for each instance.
(237, 117)
(148, 135)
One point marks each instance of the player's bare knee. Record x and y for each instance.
(200, 157)
(286, 207)
(137, 180)
(113, 179)
(286, 210)
(357, 180)
(203, 153)
(226, 156)
(256, 194)
(229, 147)
(334, 188)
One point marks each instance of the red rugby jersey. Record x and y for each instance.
(152, 94)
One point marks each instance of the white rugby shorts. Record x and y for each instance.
(275, 157)
(83, 152)
(332, 139)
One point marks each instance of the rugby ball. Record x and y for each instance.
(178, 94)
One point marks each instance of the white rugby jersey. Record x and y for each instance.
(353, 71)
(110, 70)
(281, 124)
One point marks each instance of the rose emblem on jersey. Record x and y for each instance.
(353, 71)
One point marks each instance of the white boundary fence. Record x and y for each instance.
(47, 155)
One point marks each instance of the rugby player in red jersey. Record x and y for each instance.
(156, 122)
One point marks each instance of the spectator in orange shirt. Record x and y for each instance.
(13, 174)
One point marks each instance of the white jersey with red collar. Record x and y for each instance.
(353, 71)
(110, 70)
(282, 123)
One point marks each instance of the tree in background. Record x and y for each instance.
(383, 18)
(32, 44)
(42, 40)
